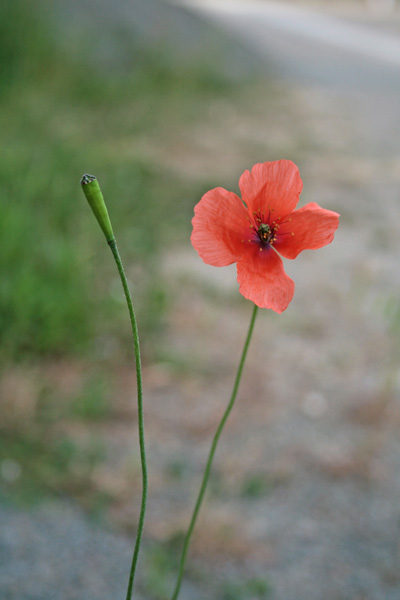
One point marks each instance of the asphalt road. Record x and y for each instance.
(358, 61)
(310, 46)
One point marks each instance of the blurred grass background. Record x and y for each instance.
(65, 336)
(58, 118)
(60, 299)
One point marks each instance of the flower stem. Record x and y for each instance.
(211, 456)
(113, 245)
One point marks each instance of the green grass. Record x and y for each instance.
(60, 118)
(256, 486)
(60, 297)
(256, 588)
(52, 444)
(34, 464)
(160, 566)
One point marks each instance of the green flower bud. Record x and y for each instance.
(92, 191)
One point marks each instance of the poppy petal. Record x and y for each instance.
(308, 228)
(219, 225)
(262, 280)
(271, 188)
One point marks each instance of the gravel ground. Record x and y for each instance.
(55, 552)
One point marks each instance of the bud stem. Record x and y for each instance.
(95, 198)
(117, 258)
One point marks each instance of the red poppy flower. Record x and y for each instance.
(253, 230)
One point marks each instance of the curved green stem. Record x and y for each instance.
(113, 245)
(211, 456)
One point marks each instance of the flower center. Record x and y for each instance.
(266, 233)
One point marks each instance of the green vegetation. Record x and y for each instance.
(60, 117)
(50, 445)
(245, 590)
(35, 464)
(60, 299)
(256, 486)
(92, 404)
(160, 565)
(61, 303)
